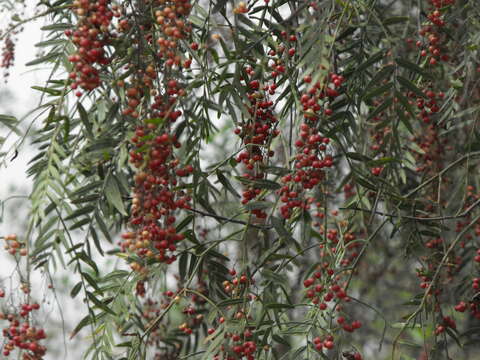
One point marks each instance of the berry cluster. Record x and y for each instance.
(155, 198)
(8, 55)
(174, 28)
(9, 35)
(239, 344)
(326, 343)
(311, 159)
(473, 306)
(157, 193)
(22, 335)
(256, 132)
(434, 47)
(91, 37)
(320, 294)
(13, 246)
(348, 242)
(323, 287)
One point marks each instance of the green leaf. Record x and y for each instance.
(79, 212)
(400, 325)
(87, 260)
(276, 170)
(96, 240)
(230, 302)
(284, 233)
(280, 340)
(382, 161)
(370, 61)
(365, 183)
(279, 306)
(224, 181)
(103, 227)
(156, 121)
(358, 156)
(454, 336)
(100, 304)
(10, 122)
(84, 322)
(411, 86)
(184, 222)
(85, 120)
(378, 91)
(52, 42)
(76, 289)
(49, 91)
(413, 67)
(90, 280)
(395, 20)
(182, 265)
(112, 113)
(43, 59)
(114, 197)
(381, 75)
(259, 184)
(58, 26)
(79, 224)
(256, 205)
(404, 101)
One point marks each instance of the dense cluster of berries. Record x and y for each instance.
(256, 132)
(433, 45)
(8, 55)
(91, 37)
(22, 335)
(156, 193)
(259, 129)
(155, 197)
(326, 343)
(324, 287)
(320, 294)
(319, 96)
(311, 158)
(174, 28)
(238, 346)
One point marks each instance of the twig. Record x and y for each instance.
(218, 217)
(432, 283)
(22, 22)
(461, 215)
(422, 185)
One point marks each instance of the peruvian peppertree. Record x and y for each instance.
(275, 179)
